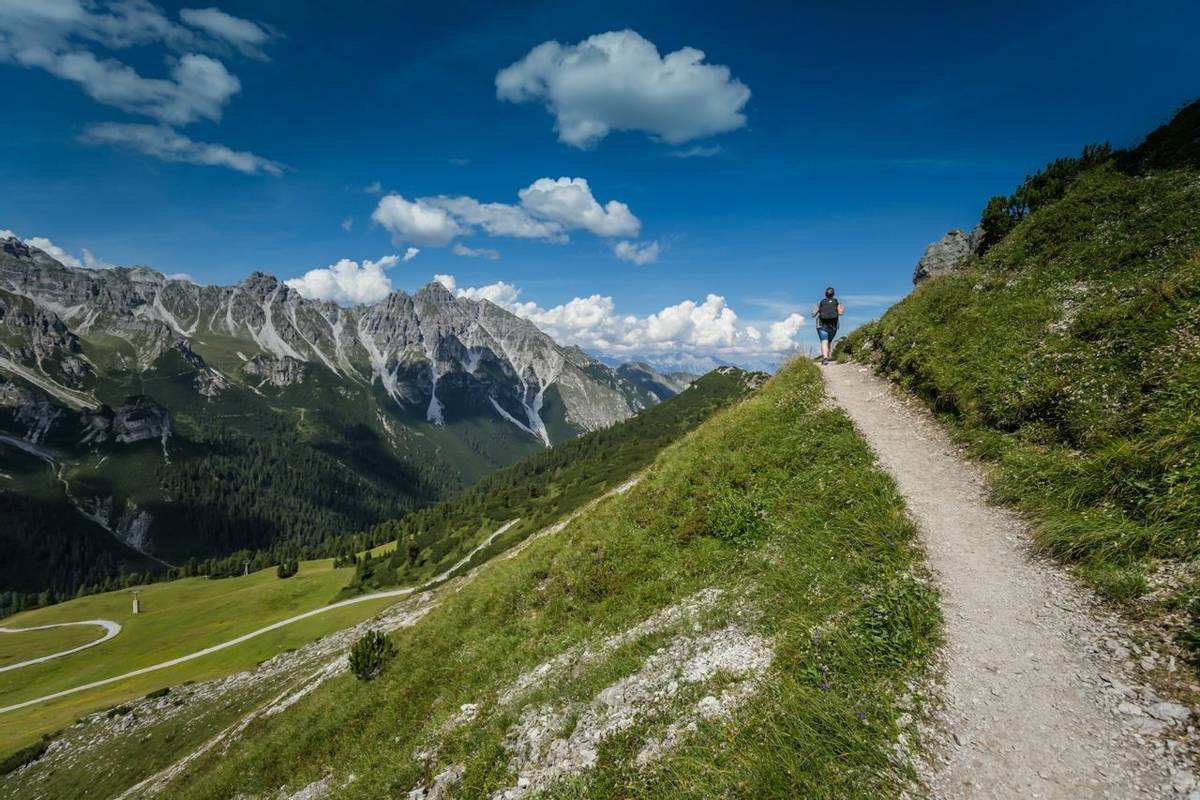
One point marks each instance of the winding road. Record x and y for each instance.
(244, 637)
(111, 629)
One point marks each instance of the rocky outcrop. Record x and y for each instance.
(139, 419)
(30, 410)
(278, 372)
(948, 254)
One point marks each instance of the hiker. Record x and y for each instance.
(826, 313)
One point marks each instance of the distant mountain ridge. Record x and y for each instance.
(172, 420)
(407, 344)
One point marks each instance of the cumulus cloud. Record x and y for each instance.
(416, 221)
(569, 202)
(618, 81)
(547, 210)
(410, 253)
(699, 328)
(498, 219)
(87, 261)
(347, 224)
(348, 282)
(167, 144)
(475, 252)
(637, 253)
(242, 34)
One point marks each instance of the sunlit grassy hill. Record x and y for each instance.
(1069, 354)
(749, 620)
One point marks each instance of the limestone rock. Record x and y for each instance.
(947, 254)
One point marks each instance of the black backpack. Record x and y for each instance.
(827, 310)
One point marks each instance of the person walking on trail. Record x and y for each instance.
(827, 313)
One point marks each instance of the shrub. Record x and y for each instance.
(157, 693)
(369, 655)
(287, 569)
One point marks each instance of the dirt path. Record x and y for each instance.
(265, 629)
(1040, 699)
(111, 629)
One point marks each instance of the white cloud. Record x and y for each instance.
(199, 86)
(697, 328)
(54, 251)
(167, 144)
(87, 261)
(548, 209)
(182, 276)
(569, 202)
(416, 221)
(347, 224)
(374, 187)
(618, 81)
(637, 253)
(59, 36)
(243, 34)
(410, 253)
(475, 252)
(348, 282)
(498, 219)
(781, 335)
(699, 151)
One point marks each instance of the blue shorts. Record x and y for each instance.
(826, 334)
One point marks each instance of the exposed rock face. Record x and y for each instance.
(433, 354)
(141, 419)
(947, 254)
(275, 371)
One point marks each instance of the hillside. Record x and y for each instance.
(716, 630)
(146, 421)
(1068, 353)
(545, 486)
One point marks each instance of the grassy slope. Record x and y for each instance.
(1070, 355)
(776, 500)
(545, 486)
(178, 617)
(16, 647)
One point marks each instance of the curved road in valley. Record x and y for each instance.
(244, 637)
(111, 629)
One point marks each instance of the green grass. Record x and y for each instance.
(179, 617)
(816, 550)
(1069, 355)
(16, 647)
(543, 487)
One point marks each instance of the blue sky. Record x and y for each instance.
(810, 145)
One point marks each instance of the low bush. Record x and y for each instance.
(370, 654)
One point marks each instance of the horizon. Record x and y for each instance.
(522, 156)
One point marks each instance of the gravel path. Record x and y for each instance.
(1040, 696)
(111, 629)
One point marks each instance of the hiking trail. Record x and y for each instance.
(1040, 696)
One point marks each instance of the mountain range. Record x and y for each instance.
(147, 420)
